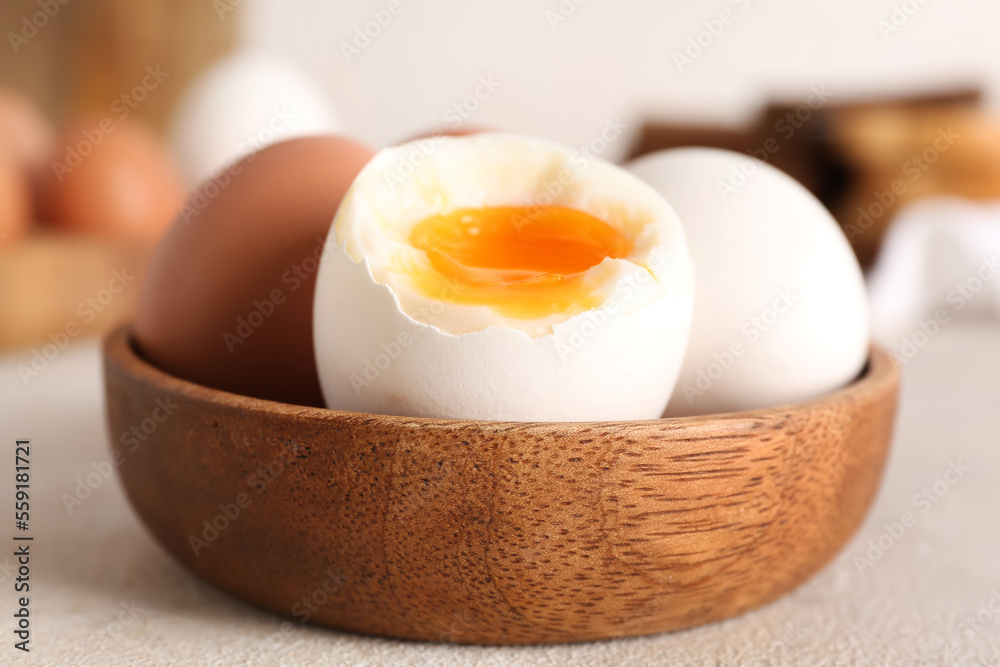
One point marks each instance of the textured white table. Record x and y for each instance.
(103, 593)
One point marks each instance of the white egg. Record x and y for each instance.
(780, 309)
(384, 344)
(240, 104)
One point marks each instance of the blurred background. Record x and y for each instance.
(112, 111)
(875, 106)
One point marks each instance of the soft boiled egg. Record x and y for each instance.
(501, 277)
(781, 311)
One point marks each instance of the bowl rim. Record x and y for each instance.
(119, 348)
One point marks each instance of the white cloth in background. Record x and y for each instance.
(940, 261)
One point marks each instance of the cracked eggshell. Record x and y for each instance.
(374, 358)
(616, 362)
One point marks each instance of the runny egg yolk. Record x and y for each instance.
(524, 262)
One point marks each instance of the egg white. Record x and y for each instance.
(384, 347)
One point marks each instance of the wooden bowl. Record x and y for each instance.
(495, 532)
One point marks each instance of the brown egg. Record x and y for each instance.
(24, 130)
(112, 178)
(15, 199)
(228, 298)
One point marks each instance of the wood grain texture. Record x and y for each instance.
(495, 532)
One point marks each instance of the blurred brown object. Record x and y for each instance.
(864, 159)
(900, 155)
(15, 198)
(25, 133)
(116, 61)
(110, 179)
(55, 288)
(81, 58)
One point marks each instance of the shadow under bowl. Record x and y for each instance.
(495, 532)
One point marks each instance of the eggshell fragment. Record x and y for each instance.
(595, 366)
